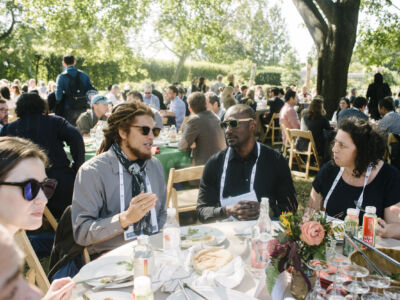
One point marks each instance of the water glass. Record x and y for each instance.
(317, 293)
(377, 282)
(374, 296)
(393, 293)
(354, 286)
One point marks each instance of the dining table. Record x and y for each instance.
(236, 240)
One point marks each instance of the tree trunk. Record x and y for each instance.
(333, 26)
(179, 67)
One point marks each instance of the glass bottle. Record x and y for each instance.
(261, 234)
(142, 288)
(143, 257)
(172, 132)
(369, 225)
(350, 228)
(172, 233)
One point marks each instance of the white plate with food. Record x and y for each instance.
(217, 293)
(108, 295)
(193, 235)
(112, 268)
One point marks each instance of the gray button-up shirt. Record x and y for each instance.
(96, 204)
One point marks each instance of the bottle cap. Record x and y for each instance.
(143, 239)
(142, 285)
(370, 209)
(265, 199)
(352, 212)
(171, 211)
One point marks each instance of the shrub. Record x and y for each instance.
(268, 78)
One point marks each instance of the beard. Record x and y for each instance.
(138, 153)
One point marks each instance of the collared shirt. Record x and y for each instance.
(351, 112)
(87, 121)
(272, 180)
(152, 101)
(63, 82)
(178, 107)
(390, 122)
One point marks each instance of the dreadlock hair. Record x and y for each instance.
(122, 117)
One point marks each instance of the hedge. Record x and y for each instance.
(268, 78)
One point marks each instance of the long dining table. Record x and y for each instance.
(238, 245)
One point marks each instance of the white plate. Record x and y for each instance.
(107, 266)
(218, 293)
(108, 294)
(203, 231)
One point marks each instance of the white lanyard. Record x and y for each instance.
(129, 233)
(360, 199)
(253, 172)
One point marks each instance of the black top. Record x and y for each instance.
(382, 192)
(50, 132)
(376, 92)
(275, 106)
(272, 180)
(316, 127)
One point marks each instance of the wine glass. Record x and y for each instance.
(354, 286)
(318, 293)
(374, 296)
(393, 293)
(377, 282)
(336, 297)
(339, 261)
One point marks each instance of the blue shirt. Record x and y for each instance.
(152, 101)
(63, 82)
(179, 109)
(351, 112)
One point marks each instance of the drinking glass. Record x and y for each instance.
(393, 293)
(317, 293)
(374, 296)
(354, 286)
(336, 297)
(339, 261)
(376, 282)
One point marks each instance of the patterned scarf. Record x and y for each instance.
(137, 170)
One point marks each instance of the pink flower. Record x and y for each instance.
(272, 246)
(312, 233)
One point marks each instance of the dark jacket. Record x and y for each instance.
(377, 91)
(275, 107)
(50, 133)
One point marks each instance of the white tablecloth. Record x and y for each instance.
(238, 246)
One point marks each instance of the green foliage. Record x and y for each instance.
(268, 78)
(271, 274)
(290, 77)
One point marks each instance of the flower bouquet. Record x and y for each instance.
(303, 237)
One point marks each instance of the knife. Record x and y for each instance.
(181, 285)
(185, 285)
(120, 280)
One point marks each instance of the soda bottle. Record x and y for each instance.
(350, 227)
(261, 233)
(143, 257)
(369, 225)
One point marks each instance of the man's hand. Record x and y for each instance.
(244, 210)
(138, 208)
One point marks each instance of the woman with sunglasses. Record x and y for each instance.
(24, 189)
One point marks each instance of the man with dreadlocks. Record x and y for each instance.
(120, 193)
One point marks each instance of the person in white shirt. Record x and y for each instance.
(113, 95)
(213, 104)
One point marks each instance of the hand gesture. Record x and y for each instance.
(244, 210)
(60, 289)
(138, 208)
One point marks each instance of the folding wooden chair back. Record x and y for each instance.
(286, 143)
(185, 200)
(309, 154)
(35, 274)
(391, 139)
(274, 130)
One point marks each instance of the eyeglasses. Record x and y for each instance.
(146, 130)
(234, 123)
(31, 187)
(148, 93)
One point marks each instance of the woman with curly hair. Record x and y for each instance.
(227, 99)
(357, 177)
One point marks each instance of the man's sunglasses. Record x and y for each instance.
(146, 130)
(31, 187)
(234, 123)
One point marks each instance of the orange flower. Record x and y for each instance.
(312, 233)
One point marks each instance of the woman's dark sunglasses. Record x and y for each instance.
(146, 130)
(234, 123)
(31, 187)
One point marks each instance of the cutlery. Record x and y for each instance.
(185, 285)
(183, 290)
(120, 280)
(94, 278)
(388, 258)
(350, 239)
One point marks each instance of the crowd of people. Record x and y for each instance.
(121, 192)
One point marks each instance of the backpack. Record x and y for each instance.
(76, 95)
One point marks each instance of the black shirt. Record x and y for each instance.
(382, 192)
(272, 180)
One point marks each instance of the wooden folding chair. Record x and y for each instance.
(286, 143)
(275, 131)
(391, 139)
(311, 151)
(185, 200)
(35, 274)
